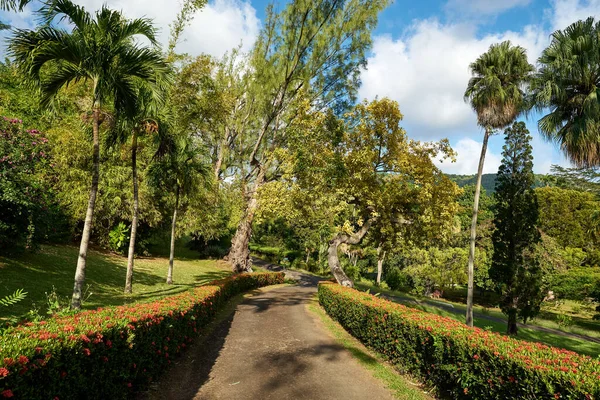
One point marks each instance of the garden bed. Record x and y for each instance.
(109, 353)
(461, 361)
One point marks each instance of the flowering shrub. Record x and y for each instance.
(107, 353)
(26, 206)
(464, 362)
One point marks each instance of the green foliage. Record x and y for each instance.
(575, 283)
(566, 85)
(112, 351)
(566, 215)
(496, 89)
(515, 269)
(119, 238)
(397, 279)
(465, 363)
(14, 298)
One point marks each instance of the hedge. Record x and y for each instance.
(461, 361)
(109, 353)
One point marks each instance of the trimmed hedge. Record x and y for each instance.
(464, 362)
(108, 353)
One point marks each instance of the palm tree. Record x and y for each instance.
(180, 171)
(568, 84)
(101, 50)
(495, 92)
(143, 120)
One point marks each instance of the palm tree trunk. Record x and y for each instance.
(380, 258)
(89, 215)
(172, 253)
(469, 316)
(134, 220)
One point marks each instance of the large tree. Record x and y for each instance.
(496, 94)
(101, 50)
(515, 269)
(310, 50)
(566, 86)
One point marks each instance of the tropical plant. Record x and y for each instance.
(100, 50)
(179, 173)
(567, 84)
(496, 94)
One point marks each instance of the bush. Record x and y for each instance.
(107, 353)
(463, 362)
(274, 254)
(397, 280)
(576, 283)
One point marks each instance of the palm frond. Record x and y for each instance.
(17, 296)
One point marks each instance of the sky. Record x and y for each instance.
(420, 56)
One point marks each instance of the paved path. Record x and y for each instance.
(270, 348)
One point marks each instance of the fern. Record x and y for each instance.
(13, 298)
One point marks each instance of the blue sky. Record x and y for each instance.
(420, 56)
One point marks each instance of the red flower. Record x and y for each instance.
(476, 357)
(87, 352)
(3, 372)
(7, 393)
(23, 360)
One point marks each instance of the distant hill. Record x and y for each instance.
(488, 181)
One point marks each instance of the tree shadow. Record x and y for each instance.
(191, 371)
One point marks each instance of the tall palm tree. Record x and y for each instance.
(143, 120)
(568, 84)
(495, 92)
(101, 50)
(180, 171)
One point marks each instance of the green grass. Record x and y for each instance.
(532, 335)
(53, 268)
(393, 380)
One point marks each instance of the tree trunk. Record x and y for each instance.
(220, 155)
(307, 255)
(239, 254)
(332, 252)
(380, 258)
(172, 252)
(469, 316)
(512, 322)
(87, 226)
(134, 220)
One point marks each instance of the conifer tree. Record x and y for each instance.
(514, 270)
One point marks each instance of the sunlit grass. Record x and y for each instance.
(53, 268)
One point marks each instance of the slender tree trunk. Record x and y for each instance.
(89, 216)
(332, 252)
(512, 328)
(134, 220)
(469, 316)
(221, 155)
(307, 255)
(380, 257)
(172, 252)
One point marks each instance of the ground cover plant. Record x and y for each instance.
(465, 362)
(109, 352)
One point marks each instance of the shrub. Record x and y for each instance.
(464, 362)
(107, 353)
(397, 280)
(576, 283)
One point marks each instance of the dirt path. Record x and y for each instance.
(270, 348)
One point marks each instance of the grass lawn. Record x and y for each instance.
(54, 267)
(574, 344)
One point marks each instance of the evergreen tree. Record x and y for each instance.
(514, 269)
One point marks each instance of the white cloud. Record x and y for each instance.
(218, 27)
(483, 7)
(565, 12)
(467, 160)
(427, 72)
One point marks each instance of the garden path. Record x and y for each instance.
(271, 347)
